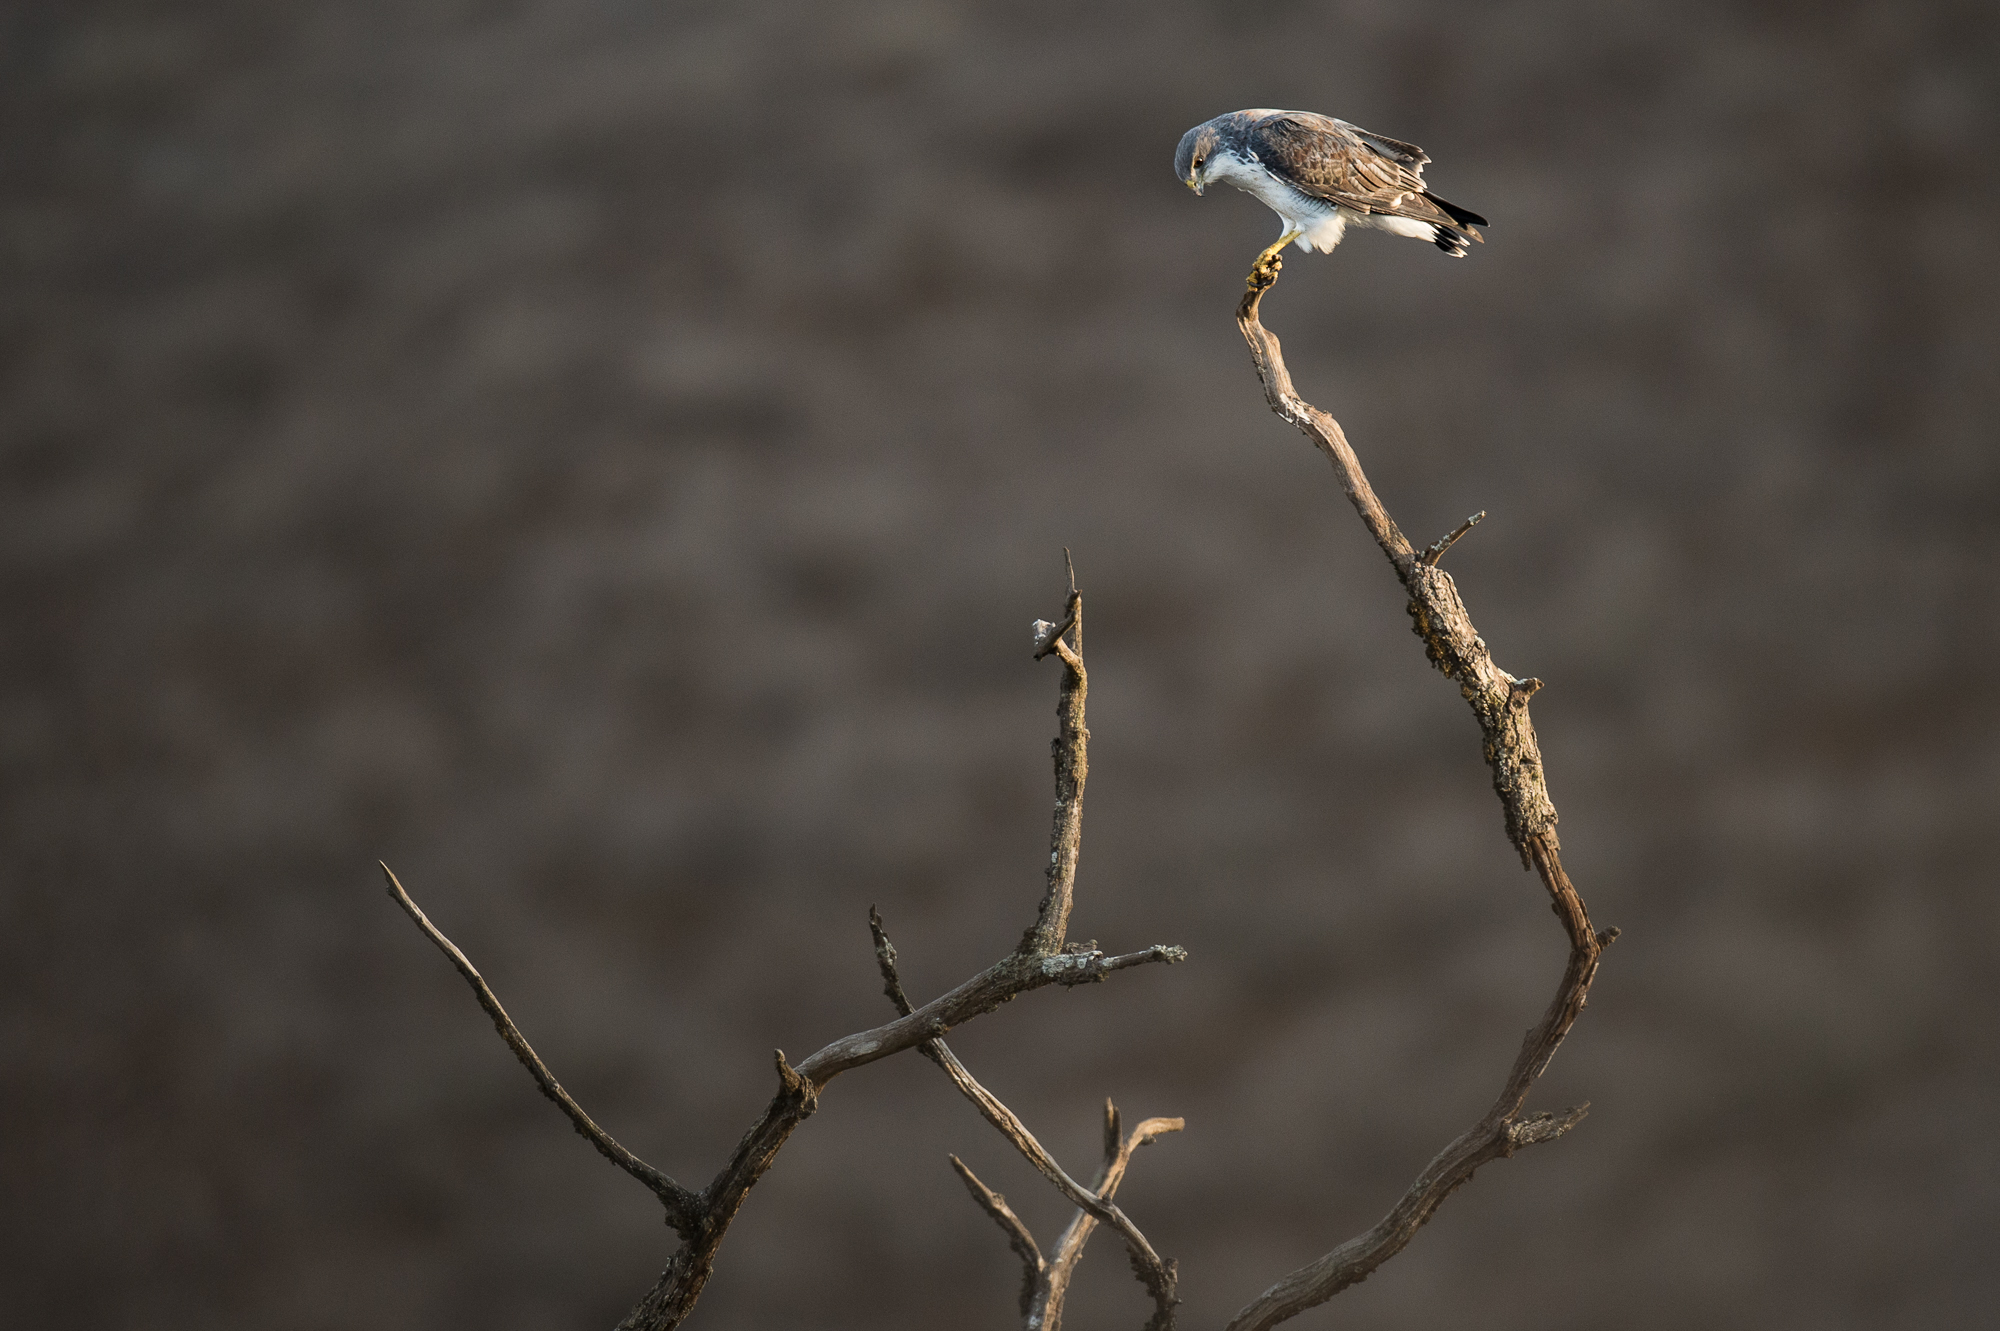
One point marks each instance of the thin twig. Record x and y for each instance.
(1449, 539)
(1047, 1282)
(1047, 1313)
(1018, 1237)
(1042, 958)
(885, 958)
(1048, 637)
(1158, 1275)
(1071, 750)
(1500, 702)
(684, 1209)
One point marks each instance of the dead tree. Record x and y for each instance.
(1044, 956)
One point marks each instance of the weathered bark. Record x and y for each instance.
(1499, 702)
(1042, 958)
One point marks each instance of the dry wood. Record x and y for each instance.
(1045, 1284)
(1042, 958)
(1500, 703)
(683, 1207)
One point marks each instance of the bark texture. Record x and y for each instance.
(1042, 958)
(1499, 702)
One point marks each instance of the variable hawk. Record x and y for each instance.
(1321, 176)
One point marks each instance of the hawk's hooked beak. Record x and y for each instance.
(1193, 184)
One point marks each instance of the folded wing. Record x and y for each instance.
(1341, 163)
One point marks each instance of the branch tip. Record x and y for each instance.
(1543, 1127)
(795, 1084)
(685, 1210)
(1436, 551)
(885, 961)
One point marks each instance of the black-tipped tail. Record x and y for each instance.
(1454, 243)
(1457, 214)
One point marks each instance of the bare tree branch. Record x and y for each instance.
(683, 1207)
(1018, 1237)
(1048, 1282)
(1159, 1275)
(1047, 1312)
(1451, 538)
(1042, 958)
(1071, 748)
(885, 958)
(1500, 703)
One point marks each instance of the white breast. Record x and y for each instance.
(1319, 223)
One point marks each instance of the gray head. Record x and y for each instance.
(1200, 145)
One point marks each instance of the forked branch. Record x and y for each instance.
(1499, 701)
(1042, 958)
(1045, 1283)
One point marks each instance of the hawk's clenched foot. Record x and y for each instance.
(1264, 272)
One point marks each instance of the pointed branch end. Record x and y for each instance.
(885, 961)
(1089, 966)
(795, 1084)
(1544, 1127)
(401, 897)
(1436, 551)
(1018, 1237)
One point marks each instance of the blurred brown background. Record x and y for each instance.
(603, 458)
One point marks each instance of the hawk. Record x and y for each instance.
(1321, 176)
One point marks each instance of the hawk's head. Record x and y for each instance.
(1191, 159)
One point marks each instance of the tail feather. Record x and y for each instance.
(1452, 242)
(1462, 216)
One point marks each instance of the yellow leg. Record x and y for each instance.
(1265, 271)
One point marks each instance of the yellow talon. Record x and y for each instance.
(1265, 271)
(1276, 249)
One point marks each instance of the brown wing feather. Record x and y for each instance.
(1344, 164)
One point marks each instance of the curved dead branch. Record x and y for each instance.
(1500, 703)
(683, 1206)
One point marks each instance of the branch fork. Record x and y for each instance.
(1042, 958)
(1045, 1283)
